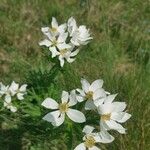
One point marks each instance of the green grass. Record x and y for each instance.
(119, 54)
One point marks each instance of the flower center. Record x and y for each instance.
(106, 117)
(89, 142)
(63, 52)
(53, 29)
(89, 95)
(63, 107)
(54, 42)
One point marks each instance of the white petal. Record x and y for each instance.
(74, 53)
(116, 116)
(81, 92)
(110, 98)
(54, 23)
(72, 26)
(54, 51)
(50, 103)
(99, 93)
(45, 29)
(80, 96)
(7, 98)
(23, 88)
(125, 118)
(105, 137)
(76, 116)
(46, 43)
(62, 46)
(50, 117)
(64, 97)
(98, 102)
(62, 61)
(89, 105)
(75, 42)
(97, 84)
(70, 60)
(72, 98)
(62, 37)
(119, 106)
(105, 108)
(94, 148)
(13, 109)
(88, 129)
(13, 88)
(20, 96)
(103, 126)
(85, 85)
(59, 120)
(115, 126)
(4, 89)
(5, 104)
(80, 147)
(62, 28)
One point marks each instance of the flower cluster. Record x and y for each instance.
(65, 40)
(9, 91)
(96, 98)
(92, 138)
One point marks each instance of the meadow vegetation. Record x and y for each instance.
(119, 54)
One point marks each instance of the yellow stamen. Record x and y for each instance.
(53, 29)
(63, 52)
(106, 117)
(89, 95)
(63, 107)
(54, 42)
(89, 142)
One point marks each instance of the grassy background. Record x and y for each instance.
(119, 54)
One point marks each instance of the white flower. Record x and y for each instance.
(67, 54)
(4, 91)
(57, 117)
(55, 43)
(112, 114)
(55, 29)
(9, 91)
(10, 107)
(91, 138)
(92, 93)
(81, 35)
(15, 90)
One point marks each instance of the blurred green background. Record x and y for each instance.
(119, 54)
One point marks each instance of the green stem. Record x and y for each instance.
(69, 134)
(54, 71)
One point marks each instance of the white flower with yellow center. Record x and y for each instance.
(57, 117)
(111, 114)
(91, 139)
(79, 36)
(67, 54)
(16, 90)
(55, 29)
(93, 93)
(55, 43)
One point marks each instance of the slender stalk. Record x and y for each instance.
(54, 71)
(69, 134)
